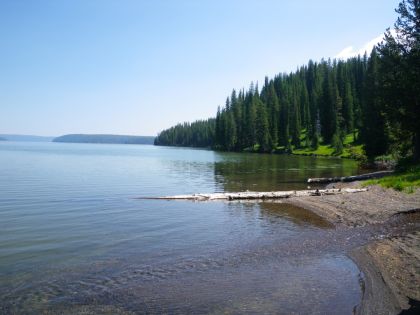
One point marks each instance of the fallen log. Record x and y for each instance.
(326, 180)
(252, 195)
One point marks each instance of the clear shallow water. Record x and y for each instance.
(73, 238)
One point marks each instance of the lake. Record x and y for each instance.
(74, 238)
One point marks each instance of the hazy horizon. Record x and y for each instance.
(135, 68)
(71, 133)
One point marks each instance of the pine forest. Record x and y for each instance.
(362, 107)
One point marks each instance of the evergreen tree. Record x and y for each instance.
(273, 108)
(348, 116)
(372, 96)
(261, 124)
(373, 129)
(337, 144)
(400, 76)
(304, 101)
(295, 124)
(218, 127)
(249, 121)
(328, 112)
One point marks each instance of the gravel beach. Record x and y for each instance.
(390, 263)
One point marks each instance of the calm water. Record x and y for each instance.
(73, 238)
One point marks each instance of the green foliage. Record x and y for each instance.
(337, 144)
(198, 134)
(350, 149)
(365, 103)
(374, 133)
(322, 150)
(348, 105)
(315, 141)
(262, 128)
(350, 138)
(399, 67)
(353, 152)
(407, 180)
(273, 106)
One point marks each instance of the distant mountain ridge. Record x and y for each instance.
(29, 138)
(104, 138)
(2, 139)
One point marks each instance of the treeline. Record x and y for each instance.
(374, 97)
(197, 134)
(322, 99)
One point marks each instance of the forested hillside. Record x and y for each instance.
(371, 101)
(196, 134)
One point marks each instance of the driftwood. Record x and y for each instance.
(326, 180)
(249, 195)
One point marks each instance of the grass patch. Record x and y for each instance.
(326, 150)
(349, 138)
(302, 135)
(406, 181)
(350, 149)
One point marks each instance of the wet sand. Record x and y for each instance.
(391, 262)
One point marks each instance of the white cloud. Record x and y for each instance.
(351, 51)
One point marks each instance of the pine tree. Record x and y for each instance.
(400, 75)
(348, 116)
(273, 108)
(328, 113)
(337, 144)
(373, 131)
(230, 134)
(237, 118)
(218, 132)
(249, 121)
(295, 124)
(304, 101)
(261, 124)
(369, 96)
(283, 118)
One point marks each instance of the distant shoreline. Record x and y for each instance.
(25, 138)
(104, 139)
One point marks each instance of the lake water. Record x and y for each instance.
(74, 238)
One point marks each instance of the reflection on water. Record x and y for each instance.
(267, 172)
(74, 240)
(297, 215)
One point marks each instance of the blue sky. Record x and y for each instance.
(137, 67)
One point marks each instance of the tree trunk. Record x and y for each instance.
(326, 180)
(416, 147)
(248, 195)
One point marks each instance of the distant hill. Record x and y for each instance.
(2, 139)
(28, 138)
(117, 139)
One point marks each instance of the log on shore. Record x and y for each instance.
(326, 180)
(249, 195)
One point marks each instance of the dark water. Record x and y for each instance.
(73, 238)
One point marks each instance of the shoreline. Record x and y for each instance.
(390, 264)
